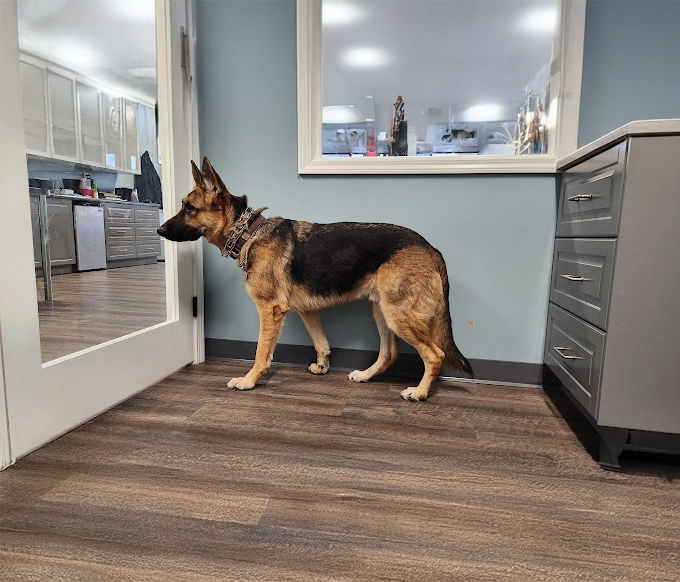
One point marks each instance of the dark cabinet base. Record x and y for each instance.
(131, 262)
(612, 441)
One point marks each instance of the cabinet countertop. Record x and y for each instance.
(634, 128)
(87, 201)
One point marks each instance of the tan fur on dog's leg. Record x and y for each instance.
(313, 324)
(271, 321)
(388, 350)
(412, 307)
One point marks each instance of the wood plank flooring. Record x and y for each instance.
(94, 307)
(314, 479)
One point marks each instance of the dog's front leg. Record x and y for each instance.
(313, 324)
(271, 321)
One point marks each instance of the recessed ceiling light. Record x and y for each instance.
(484, 112)
(365, 57)
(340, 114)
(542, 20)
(338, 13)
(73, 54)
(134, 10)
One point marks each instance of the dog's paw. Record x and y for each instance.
(359, 376)
(241, 384)
(413, 394)
(317, 369)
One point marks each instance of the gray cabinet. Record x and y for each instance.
(131, 237)
(613, 337)
(60, 232)
(62, 115)
(34, 98)
(131, 146)
(68, 118)
(91, 132)
(146, 132)
(113, 131)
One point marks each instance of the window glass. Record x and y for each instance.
(437, 77)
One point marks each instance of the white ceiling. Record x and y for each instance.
(110, 41)
(436, 53)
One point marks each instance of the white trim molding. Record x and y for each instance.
(6, 458)
(565, 82)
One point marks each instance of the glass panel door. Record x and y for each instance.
(91, 312)
(99, 270)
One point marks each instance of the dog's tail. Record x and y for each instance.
(444, 331)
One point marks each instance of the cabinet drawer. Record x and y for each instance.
(148, 249)
(118, 213)
(146, 231)
(119, 232)
(590, 201)
(582, 277)
(574, 351)
(120, 251)
(146, 214)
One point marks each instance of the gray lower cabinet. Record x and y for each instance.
(613, 333)
(60, 231)
(131, 236)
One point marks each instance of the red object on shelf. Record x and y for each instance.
(371, 147)
(87, 192)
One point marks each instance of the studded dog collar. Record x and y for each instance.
(243, 230)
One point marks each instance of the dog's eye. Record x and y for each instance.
(188, 207)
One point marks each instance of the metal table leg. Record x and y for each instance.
(45, 245)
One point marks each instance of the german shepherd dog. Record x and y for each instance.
(291, 265)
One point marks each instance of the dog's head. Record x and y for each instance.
(208, 210)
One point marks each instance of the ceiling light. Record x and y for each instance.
(338, 13)
(543, 20)
(365, 57)
(485, 112)
(340, 114)
(134, 10)
(72, 54)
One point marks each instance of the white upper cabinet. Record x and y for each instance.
(146, 130)
(62, 112)
(130, 137)
(68, 117)
(113, 131)
(91, 133)
(34, 95)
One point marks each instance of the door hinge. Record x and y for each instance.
(186, 57)
(194, 304)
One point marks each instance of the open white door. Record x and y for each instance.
(43, 392)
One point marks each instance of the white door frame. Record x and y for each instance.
(39, 402)
(199, 320)
(5, 451)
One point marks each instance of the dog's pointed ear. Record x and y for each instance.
(198, 178)
(212, 179)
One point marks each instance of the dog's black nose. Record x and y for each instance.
(162, 230)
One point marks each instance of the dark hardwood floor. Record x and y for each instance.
(310, 479)
(94, 307)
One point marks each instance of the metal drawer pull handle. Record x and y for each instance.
(580, 197)
(575, 278)
(559, 351)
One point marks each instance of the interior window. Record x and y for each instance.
(438, 77)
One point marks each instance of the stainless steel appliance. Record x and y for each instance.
(90, 242)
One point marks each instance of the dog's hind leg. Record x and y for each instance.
(271, 321)
(418, 334)
(388, 350)
(313, 324)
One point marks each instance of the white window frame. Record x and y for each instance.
(565, 82)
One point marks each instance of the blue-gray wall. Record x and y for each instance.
(631, 67)
(494, 232)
